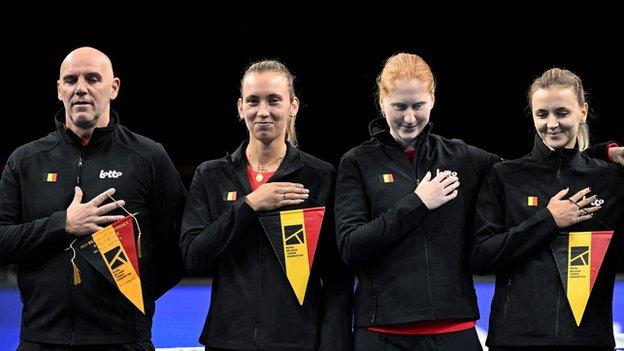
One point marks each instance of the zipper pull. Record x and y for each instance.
(374, 309)
(79, 170)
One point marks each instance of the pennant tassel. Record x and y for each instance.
(75, 271)
(76, 274)
(138, 241)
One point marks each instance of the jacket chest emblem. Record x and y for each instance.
(110, 174)
(597, 202)
(50, 177)
(438, 171)
(229, 196)
(532, 201)
(386, 178)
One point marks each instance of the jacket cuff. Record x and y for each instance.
(56, 227)
(418, 205)
(547, 219)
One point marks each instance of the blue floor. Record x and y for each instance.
(180, 314)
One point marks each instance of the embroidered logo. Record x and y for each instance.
(229, 196)
(453, 173)
(386, 178)
(532, 201)
(597, 202)
(50, 177)
(110, 174)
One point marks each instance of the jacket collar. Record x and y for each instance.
(544, 154)
(99, 134)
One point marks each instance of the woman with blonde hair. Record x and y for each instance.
(551, 226)
(261, 299)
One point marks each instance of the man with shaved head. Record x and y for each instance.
(86, 86)
(60, 188)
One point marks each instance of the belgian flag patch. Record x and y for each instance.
(386, 178)
(50, 177)
(532, 201)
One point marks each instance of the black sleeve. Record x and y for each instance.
(338, 282)
(169, 196)
(206, 236)
(496, 246)
(482, 161)
(362, 239)
(599, 151)
(19, 241)
(620, 229)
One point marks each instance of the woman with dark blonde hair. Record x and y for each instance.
(551, 226)
(269, 292)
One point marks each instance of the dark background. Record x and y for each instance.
(181, 88)
(180, 75)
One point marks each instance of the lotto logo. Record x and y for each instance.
(596, 202)
(453, 173)
(110, 174)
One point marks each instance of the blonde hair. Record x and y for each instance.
(567, 79)
(404, 65)
(276, 67)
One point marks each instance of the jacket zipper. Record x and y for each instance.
(509, 290)
(507, 303)
(258, 296)
(416, 174)
(256, 323)
(415, 169)
(557, 312)
(69, 295)
(79, 169)
(72, 340)
(560, 178)
(433, 313)
(374, 295)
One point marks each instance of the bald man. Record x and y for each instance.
(58, 188)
